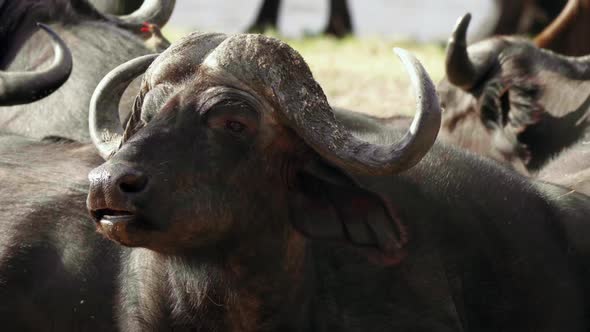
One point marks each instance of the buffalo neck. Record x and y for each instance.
(255, 283)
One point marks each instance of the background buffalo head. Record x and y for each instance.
(512, 101)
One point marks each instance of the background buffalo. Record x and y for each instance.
(98, 42)
(507, 99)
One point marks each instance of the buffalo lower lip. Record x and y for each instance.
(110, 220)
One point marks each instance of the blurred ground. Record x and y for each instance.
(362, 74)
(422, 20)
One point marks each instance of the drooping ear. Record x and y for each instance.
(562, 95)
(328, 205)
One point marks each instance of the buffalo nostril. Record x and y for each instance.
(132, 182)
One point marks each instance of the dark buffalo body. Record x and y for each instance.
(56, 273)
(234, 204)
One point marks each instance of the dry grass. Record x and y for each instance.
(363, 74)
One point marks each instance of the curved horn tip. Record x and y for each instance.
(407, 58)
(413, 66)
(460, 70)
(426, 123)
(52, 34)
(422, 85)
(62, 52)
(44, 27)
(459, 34)
(418, 75)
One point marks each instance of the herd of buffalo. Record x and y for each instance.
(208, 185)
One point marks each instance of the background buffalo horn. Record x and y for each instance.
(460, 70)
(553, 34)
(153, 11)
(25, 87)
(104, 123)
(337, 145)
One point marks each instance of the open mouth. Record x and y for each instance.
(119, 225)
(108, 216)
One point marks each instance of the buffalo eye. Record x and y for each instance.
(234, 126)
(236, 118)
(505, 106)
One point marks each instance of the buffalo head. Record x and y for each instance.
(512, 101)
(232, 135)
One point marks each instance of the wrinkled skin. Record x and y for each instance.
(227, 220)
(529, 106)
(97, 46)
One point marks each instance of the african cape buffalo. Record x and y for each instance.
(98, 43)
(236, 202)
(509, 100)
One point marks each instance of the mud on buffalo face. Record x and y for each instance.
(231, 135)
(511, 101)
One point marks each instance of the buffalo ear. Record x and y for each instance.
(328, 205)
(562, 95)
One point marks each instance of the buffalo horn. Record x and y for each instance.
(25, 87)
(152, 11)
(460, 70)
(336, 144)
(325, 135)
(105, 126)
(554, 31)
